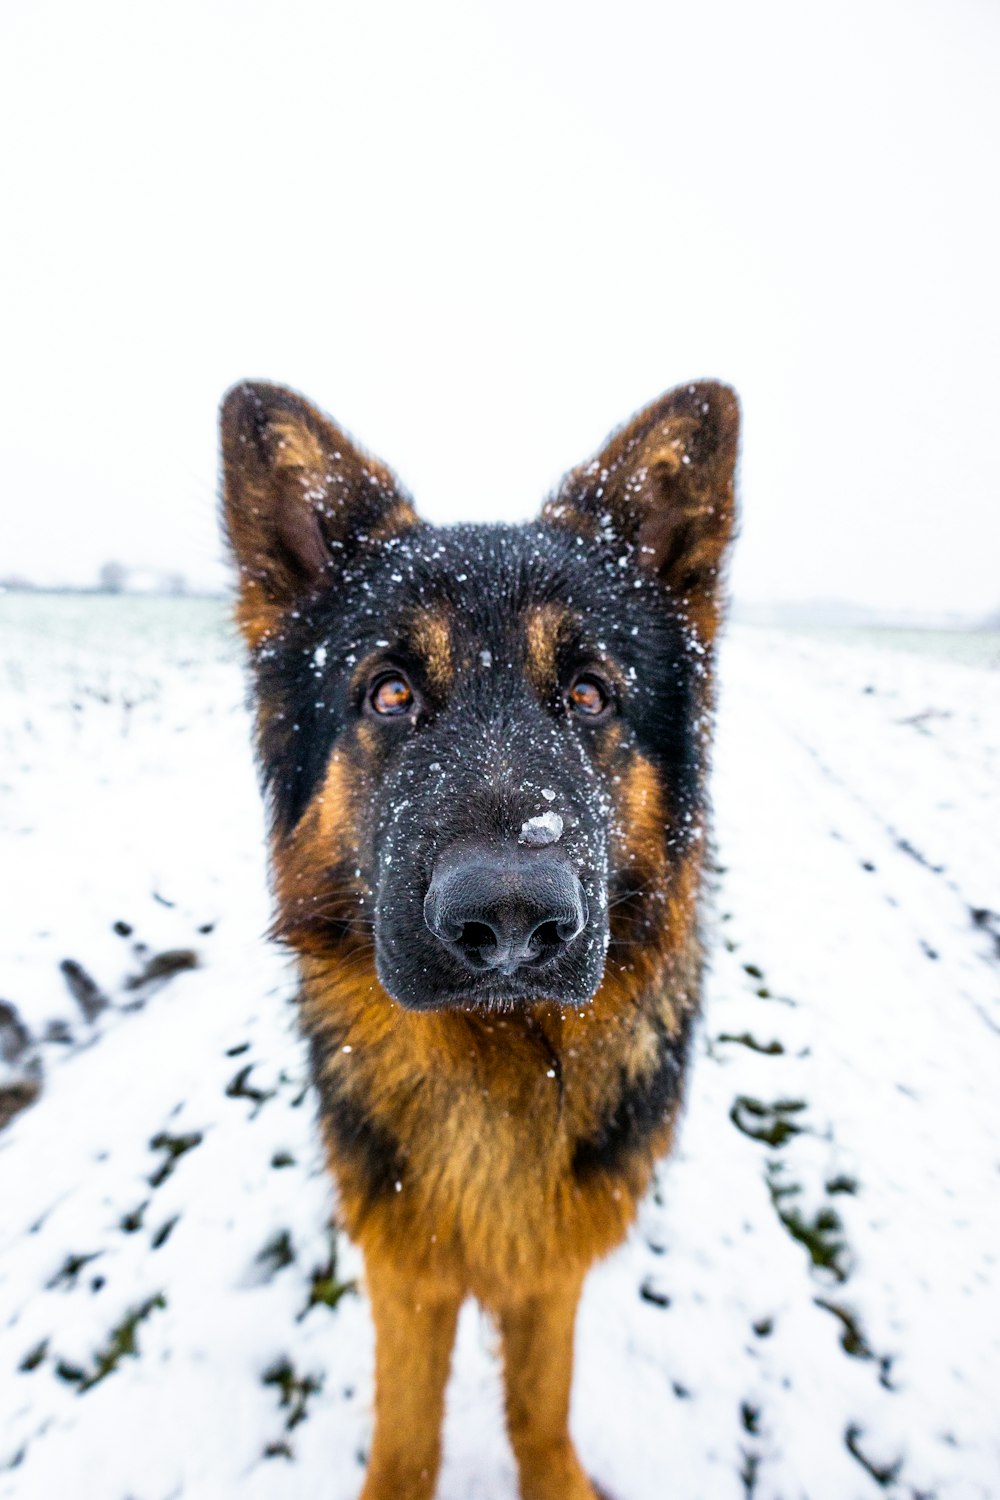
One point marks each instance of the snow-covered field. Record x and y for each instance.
(810, 1305)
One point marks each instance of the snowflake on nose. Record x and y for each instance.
(545, 829)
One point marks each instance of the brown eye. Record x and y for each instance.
(391, 695)
(589, 697)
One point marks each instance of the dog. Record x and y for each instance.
(484, 749)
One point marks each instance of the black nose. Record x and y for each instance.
(501, 909)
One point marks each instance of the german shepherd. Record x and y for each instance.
(484, 750)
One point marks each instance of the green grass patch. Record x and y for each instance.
(295, 1390)
(772, 1124)
(821, 1235)
(240, 1087)
(326, 1287)
(745, 1039)
(34, 1357)
(175, 1146)
(122, 1343)
(68, 1273)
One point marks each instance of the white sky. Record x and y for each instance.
(480, 235)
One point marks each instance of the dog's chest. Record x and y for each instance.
(484, 1179)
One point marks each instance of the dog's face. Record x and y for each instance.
(484, 746)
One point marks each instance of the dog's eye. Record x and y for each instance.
(390, 695)
(589, 696)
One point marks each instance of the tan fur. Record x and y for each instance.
(542, 629)
(431, 636)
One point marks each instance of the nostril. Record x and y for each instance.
(549, 935)
(476, 935)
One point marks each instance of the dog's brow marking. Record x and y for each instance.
(431, 635)
(542, 628)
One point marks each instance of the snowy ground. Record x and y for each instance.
(810, 1306)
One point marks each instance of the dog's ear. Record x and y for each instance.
(663, 485)
(298, 496)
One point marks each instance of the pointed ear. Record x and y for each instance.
(664, 486)
(298, 496)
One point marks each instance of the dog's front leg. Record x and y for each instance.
(537, 1333)
(414, 1335)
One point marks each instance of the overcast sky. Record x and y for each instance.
(480, 235)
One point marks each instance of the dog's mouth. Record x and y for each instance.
(496, 990)
(530, 984)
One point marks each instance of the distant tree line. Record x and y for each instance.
(112, 578)
(115, 578)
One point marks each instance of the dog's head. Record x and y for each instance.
(484, 747)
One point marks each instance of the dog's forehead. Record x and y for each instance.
(492, 583)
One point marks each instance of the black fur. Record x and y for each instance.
(643, 1106)
(356, 1136)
